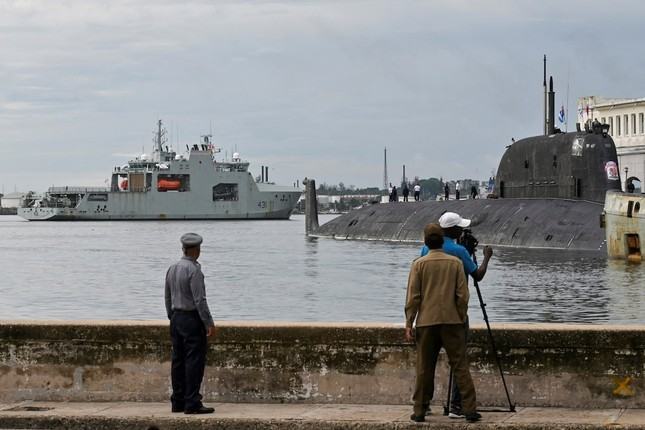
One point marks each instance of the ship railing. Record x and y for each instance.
(77, 190)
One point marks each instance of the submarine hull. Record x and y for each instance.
(523, 223)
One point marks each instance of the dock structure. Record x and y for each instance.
(245, 416)
(115, 374)
(546, 365)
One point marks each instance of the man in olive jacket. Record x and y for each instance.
(437, 299)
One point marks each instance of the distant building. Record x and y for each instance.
(626, 120)
(12, 200)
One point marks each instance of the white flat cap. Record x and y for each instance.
(191, 239)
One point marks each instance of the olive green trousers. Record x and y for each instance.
(430, 340)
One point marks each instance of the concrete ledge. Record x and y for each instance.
(139, 416)
(545, 364)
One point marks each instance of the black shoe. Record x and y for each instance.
(201, 410)
(427, 411)
(418, 418)
(177, 408)
(473, 417)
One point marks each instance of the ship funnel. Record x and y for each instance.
(311, 206)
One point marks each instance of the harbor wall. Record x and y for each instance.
(544, 364)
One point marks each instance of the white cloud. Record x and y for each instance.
(315, 88)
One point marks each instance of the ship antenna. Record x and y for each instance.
(546, 126)
(385, 182)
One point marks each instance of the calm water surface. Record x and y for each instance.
(268, 270)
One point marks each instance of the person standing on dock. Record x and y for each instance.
(474, 192)
(417, 192)
(190, 324)
(437, 300)
(453, 226)
(406, 192)
(446, 191)
(457, 189)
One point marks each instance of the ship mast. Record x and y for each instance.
(160, 138)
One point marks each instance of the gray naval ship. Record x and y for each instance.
(168, 185)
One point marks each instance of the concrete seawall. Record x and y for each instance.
(545, 364)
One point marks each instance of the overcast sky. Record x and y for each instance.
(309, 88)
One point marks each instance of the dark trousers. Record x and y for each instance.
(430, 340)
(416, 196)
(455, 396)
(189, 346)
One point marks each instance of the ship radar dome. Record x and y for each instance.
(236, 156)
(144, 157)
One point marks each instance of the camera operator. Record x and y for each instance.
(453, 226)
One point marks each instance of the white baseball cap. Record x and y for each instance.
(451, 219)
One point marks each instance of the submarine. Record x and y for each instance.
(549, 193)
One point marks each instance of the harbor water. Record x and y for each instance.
(269, 270)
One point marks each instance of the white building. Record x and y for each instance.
(626, 119)
(12, 200)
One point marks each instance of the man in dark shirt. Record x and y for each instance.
(190, 324)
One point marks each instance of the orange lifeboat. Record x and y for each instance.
(124, 184)
(168, 184)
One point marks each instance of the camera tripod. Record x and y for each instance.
(471, 244)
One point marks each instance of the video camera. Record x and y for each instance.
(468, 241)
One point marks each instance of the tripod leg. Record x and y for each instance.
(511, 406)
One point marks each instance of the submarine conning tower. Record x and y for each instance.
(580, 165)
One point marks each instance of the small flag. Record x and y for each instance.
(561, 115)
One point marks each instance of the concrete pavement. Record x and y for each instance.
(233, 416)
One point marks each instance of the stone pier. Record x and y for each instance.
(545, 365)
